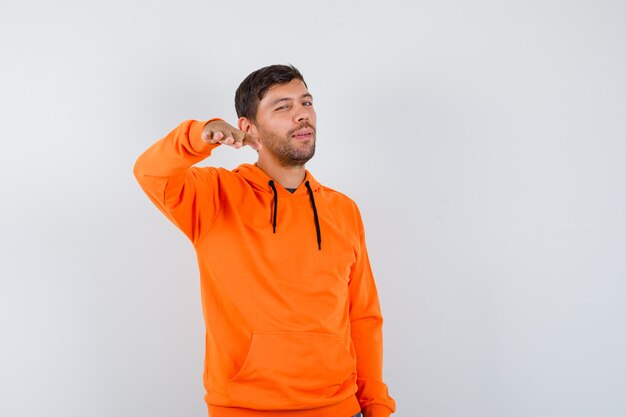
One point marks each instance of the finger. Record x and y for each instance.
(208, 136)
(216, 137)
(238, 135)
(228, 141)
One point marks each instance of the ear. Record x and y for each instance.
(246, 125)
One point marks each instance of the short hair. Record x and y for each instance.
(253, 88)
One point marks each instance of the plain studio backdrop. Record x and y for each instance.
(484, 141)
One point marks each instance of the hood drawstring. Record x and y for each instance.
(271, 183)
(317, 220)
(315, 217)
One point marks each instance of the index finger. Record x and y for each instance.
(252, 141)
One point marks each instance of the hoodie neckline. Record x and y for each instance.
(255, 175)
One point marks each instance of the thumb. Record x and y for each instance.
(238, 135)
(252, 141)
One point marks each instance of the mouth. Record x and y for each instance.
(304, 133)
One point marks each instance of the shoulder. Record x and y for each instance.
(340, 200)
(222, 179)
(334, 194)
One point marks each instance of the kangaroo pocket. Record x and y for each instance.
(293, 371)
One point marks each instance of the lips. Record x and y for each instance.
(303, 133)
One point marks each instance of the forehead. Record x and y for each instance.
(293, 90)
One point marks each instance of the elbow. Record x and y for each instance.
(138, 171)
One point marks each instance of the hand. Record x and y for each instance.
(221, 132)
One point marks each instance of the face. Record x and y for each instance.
(285, 123)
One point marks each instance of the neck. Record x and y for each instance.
(287, 177)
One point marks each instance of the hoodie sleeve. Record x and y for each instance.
(366, 331)
(166, 174)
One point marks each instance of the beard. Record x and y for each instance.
(289, 152)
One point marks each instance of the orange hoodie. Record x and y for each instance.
(293, 323)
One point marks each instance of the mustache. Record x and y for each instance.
(302, 126)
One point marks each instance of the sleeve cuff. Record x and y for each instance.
(376, 410)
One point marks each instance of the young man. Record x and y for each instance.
(293, 323)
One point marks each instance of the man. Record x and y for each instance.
(293, 323)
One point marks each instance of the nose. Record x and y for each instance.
(302, 114)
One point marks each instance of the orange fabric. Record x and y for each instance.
(290, 330)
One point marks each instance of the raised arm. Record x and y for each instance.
(166, 173)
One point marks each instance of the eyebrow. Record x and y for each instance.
(278, 100)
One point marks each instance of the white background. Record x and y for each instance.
(484, 141)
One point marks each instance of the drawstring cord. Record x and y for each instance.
(317, 220)
(271, 183)
(315, 216)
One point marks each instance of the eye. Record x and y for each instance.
(307, 103)
(281, 107)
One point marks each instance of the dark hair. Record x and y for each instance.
(253, 88)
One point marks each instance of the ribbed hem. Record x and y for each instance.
(346, 408)
(376, 410)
